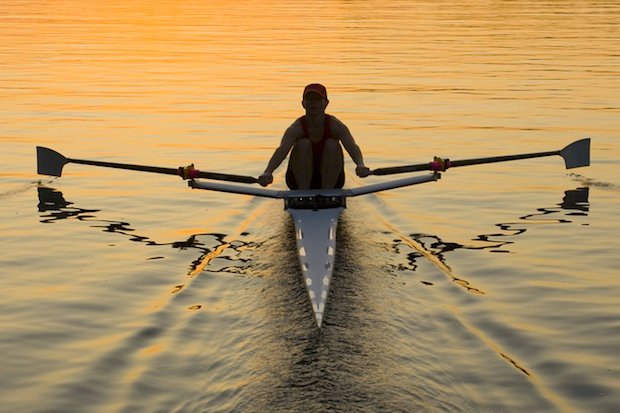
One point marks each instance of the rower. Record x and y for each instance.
(314, 142)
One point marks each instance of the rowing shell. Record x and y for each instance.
(315, 215)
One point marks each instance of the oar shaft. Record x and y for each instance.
(168, 171)
(131, 167)
(463, 162)
(480, 161)
(400, 169)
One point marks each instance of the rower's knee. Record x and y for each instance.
(332, 149)
(302, 146)
(332, 145)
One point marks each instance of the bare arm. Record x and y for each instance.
(291, 135)
(354, 151)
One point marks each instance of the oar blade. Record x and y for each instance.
(50, 162)
(577, 154)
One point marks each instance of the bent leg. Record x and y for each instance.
(332, 164)
(300, 163)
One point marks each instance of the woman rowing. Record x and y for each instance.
(316, 160)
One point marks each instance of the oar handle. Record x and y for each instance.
(438, 165)
(228, 177)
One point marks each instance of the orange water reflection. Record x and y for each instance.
(216, 83)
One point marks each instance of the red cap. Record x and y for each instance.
(316, 88)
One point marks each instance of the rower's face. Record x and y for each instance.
(314, 103)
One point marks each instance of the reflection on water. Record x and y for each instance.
(434, 248)
(55, 207)
(52, 201)
(294, 363)
(428, 246)
(574, 200)
(90, 325)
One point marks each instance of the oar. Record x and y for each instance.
(50, 162)
(575, 155)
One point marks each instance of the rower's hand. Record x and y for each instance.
(265, 179)
(362, 171)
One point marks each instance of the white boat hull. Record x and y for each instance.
(315, 233)
(315, 214)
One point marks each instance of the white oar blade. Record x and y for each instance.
(577, 154)
(49, 162)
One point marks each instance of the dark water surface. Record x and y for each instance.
(495, 289)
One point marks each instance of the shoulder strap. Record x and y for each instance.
(326, 129)
(304, 125)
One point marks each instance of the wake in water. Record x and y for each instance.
(419, 248)
(22, 188)
(54, 207)
(434, 249)
(589, 182)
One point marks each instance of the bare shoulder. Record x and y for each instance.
(338, 128)
(295, 130)
(292, 134)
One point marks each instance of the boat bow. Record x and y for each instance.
(315, 234)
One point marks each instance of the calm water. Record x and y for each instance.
(494, 290)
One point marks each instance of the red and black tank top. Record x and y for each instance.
(319, 146)
(317, 155)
